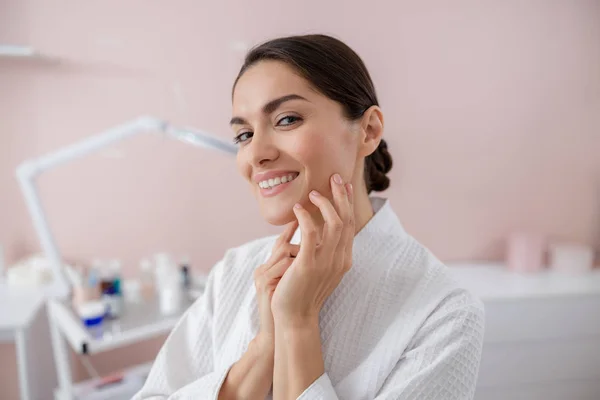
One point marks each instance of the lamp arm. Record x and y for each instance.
(29, 170)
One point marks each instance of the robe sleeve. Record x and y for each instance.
(441, 363)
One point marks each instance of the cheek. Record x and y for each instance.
(323, 154)
(242, 165)
(311, 151)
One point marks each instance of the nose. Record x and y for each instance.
(262, 149)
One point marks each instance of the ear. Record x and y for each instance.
(371, 127)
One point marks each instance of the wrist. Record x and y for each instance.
(252, 375)
(297, 324)
(299, 350)
(263, 346)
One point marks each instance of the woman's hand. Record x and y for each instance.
(266, 278)
(321, 262)
(251, 376)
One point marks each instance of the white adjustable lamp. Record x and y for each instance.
(29, 170)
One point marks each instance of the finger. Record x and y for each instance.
(285, 250)
(346, 213)
(288, 233)
(308, 230)
(341, 201)
(292, 250)
(278, 269)
(333, 224)
(283, 240)
(340, 195)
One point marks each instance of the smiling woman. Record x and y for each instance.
(344, 304)
(310, 100)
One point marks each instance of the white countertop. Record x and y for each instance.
(489, 281)
(138, 322)
(493, 281)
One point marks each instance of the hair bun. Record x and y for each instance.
(377, 165)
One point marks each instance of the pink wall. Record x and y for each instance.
(492, 115)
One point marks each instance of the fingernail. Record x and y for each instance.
(337, 179)
(314, 193)
(349, 189)
(298, 206)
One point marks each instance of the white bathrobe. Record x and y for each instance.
(397, 326)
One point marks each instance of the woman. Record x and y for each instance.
(344, 303)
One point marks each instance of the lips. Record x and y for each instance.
(272, 175)
(274, 182)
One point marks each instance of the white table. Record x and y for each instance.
(138, 322)
(19, 310)
(542, 336)
(542, 333)
(493, 281)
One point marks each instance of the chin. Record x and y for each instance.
(278, 217)
(280, 211)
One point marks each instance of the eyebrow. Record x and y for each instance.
(269, 107)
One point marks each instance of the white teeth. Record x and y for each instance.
(270, 183)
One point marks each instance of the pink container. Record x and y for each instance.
(525, 252)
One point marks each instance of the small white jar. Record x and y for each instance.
(571, 258)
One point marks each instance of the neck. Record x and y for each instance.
(363, 212)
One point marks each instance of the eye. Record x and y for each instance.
(288, 120)
(242, 137)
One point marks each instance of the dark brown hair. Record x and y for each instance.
(336, 71)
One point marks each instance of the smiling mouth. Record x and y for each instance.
(274, 182)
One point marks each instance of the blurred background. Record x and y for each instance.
(492, 116)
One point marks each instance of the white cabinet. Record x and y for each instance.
(542, 337)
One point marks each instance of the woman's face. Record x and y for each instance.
(292, 139)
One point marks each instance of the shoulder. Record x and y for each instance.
(454, 317)
(432, 288)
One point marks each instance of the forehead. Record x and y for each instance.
(266, 81)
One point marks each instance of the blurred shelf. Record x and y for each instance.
(493, 281)
(14, 51)
(138, 322)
